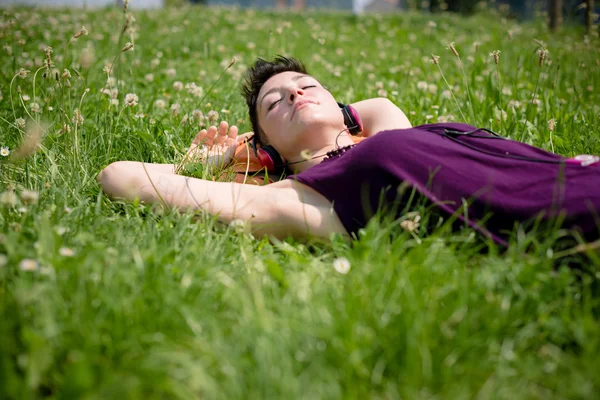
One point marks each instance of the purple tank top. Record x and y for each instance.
(497, 178)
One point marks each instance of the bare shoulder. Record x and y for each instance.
(380, 114)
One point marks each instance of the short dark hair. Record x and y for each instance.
(254, 80)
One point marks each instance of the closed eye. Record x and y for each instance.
(273, 104)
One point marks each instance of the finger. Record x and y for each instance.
(223, 126)
(199, 137)
(232, 137)
(210, 136)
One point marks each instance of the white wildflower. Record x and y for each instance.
(186, 281)
(29, 196)
(4, 151)
(212, 116)
(341, 265)
(411, 224)
(29, 265)
(198, 115)
(178, 85)
(131, 100)
(238, 225)
(8, 198)
(160, 104)
(66, 252)
(194, 90)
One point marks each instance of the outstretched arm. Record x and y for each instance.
(380, 114)
(281, 209)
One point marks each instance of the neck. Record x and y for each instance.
(317, 154)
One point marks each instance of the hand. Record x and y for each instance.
(216, 146)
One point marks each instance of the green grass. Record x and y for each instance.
(160, 305)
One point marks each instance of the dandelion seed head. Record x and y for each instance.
(341, 265)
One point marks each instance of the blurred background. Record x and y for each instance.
(556, 11)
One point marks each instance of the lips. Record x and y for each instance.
(300, 104)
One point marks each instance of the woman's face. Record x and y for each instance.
(297, 113)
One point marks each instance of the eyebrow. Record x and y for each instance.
(294, 79)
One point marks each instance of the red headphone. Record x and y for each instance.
(270, 159)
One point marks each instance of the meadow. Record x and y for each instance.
(102, 299)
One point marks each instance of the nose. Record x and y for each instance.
(293, 94)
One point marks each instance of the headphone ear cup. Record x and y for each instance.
(269, 158)
(352, 120)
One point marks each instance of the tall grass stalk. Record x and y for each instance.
(435, 60)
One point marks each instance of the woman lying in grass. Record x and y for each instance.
(337, 185)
